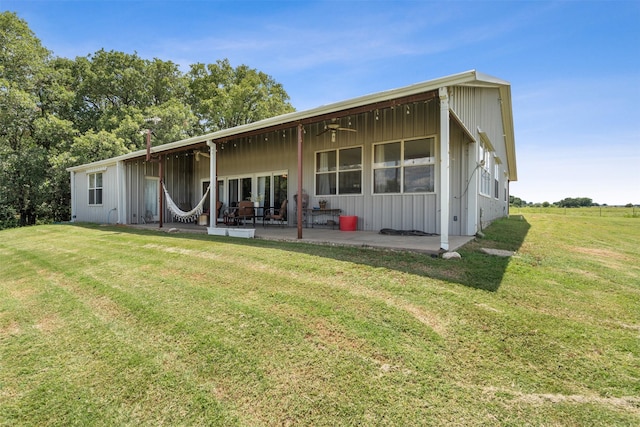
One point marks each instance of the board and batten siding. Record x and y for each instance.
(277, 151)
(480, 109)
(179, 178)
(460, 171)
(107, 210)
(377, 211)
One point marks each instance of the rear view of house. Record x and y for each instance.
(436, 156)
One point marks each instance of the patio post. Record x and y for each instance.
(444, 168)
(160, 172)
(73, 196)
(213, 182)
(299, 198)
(121, 190)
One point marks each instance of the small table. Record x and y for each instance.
(236, 220)
(312, 213)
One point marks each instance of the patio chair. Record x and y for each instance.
(239, 214)
(276, 215)
(230, 214)
(219, 205)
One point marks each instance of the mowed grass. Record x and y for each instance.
(112, 326)
(603, 211)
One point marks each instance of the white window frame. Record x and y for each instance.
(337, 171)
(505, 190)
(496, 181)
(93, 187)
(254, 184)
(485, 172)
(404, 164)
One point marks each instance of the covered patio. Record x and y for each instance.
(370, 239)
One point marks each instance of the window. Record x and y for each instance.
(485, 174)
(269, 189)
(496, 178)
(404, 167)
(95, 188)
(505, 190)
(339, 171)
(239, 189)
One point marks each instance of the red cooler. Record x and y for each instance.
(348, 223)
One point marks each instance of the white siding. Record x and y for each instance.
(97, 213)
(277, 151)
(481, 108)
(374, 212)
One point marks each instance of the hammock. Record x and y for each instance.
(181, 215)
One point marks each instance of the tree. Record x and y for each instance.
(516, 201)
(224, 97)
(23, 157)
(116, 92)
(570, 202)
(58, 112)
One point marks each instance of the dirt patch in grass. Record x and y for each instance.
(22, 291)
(325, 333)
(49, 323)
(10, 329)
(432, 320)
(628, 403)
(599, 252)
(183, 251)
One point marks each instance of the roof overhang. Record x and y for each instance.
(413, 93)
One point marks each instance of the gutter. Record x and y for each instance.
(467, 78)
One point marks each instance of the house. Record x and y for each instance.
(436, 156)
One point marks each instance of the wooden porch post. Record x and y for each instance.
(299, 197)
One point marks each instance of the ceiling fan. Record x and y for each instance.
(334, 127)
(199, 153)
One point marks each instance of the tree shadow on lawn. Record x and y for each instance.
(476, 269)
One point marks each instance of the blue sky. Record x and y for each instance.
(574, 66)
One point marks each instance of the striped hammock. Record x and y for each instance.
(181, 215)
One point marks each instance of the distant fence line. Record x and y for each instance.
(604, 211)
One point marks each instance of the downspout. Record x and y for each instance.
(444, 168)
(213, 182)
(299, 198)
(472, 192)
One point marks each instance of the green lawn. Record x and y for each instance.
(603, 211)
(112, 326)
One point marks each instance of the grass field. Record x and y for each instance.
(112, 326)
(602, 211)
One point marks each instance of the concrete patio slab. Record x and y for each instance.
(371, 239)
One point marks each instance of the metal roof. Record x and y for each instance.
(467, 78)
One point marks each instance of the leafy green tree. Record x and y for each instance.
(116, 92)
(58, 112)
(224, 97)
(23, 159)
(571, 202)
(516, 201)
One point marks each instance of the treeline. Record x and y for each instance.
(58, 112)
(568, 202)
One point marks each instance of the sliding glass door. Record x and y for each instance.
(151, 199)
(239, 189)
(269, 189)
